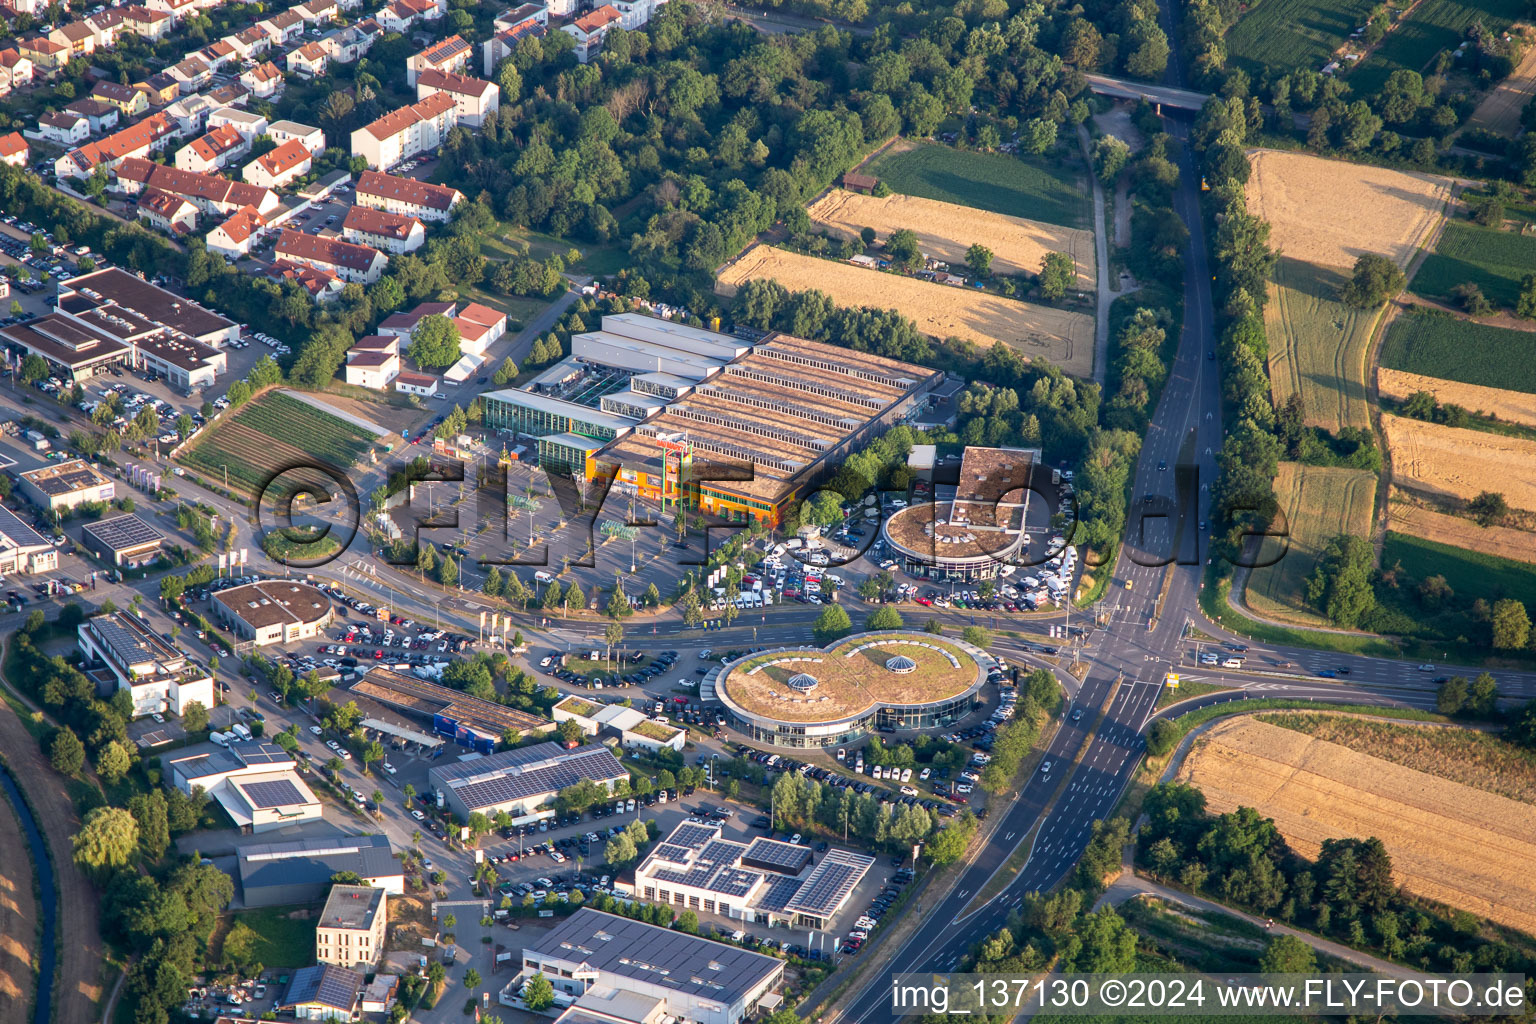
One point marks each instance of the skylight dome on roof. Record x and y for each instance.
(901, 665)
(803, 681)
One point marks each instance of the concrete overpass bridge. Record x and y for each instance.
(1158, 95)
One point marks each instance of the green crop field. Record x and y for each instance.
(1320, 502)
(273, 433)
(1288, 34)
(1016, 186)
(1434, 26)
(1493, 260)
(1451, 349)
(1318, 345)
(1469, 573)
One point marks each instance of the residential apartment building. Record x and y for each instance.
(591, 29)
(391, 232)
(350, 931)
(406, 132)
(213, 194)
(400, 15)
(150, 135)
(47, 57)
(282, 28)
(451, 54)
(191, 74)
(129, 101)
(250, 125)
(407, 196)
(279, 167)
(350, 262)
(121, 652)
(372, 368)
(474, 100)
(149, 25)
(64, 128)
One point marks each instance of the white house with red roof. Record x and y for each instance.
(14, 150)
(591, 29)
(265, 80)
(239, 233)
(479, 327)
(350, 262)
(280, 166)
(391, 232)
(222, 146)
(407, 196)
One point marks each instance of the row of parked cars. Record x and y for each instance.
(878, 906)
(779, 763)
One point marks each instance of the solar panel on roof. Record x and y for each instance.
(772, 854)
(277, 793)
(672, 852)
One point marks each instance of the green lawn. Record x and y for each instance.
(1493, 260)
(1470, 573)
(1436, 25)
(1451, 349)
(268, 936)
(504, 240)
(1292, 33)
(1016, 186)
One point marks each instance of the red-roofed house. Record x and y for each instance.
(373, 362)
(151, 26)
(14, 150)
(403, 324)
(360, 263)
(474, 99)
(391, 232)
(421, 384)
(238, 234)
(48, 57)
(170, 213)
(214, 194)
(402, 14)
(15, 70)
(451, 54)
(479, 327)
(265, 80)
(309, 60)
(280, 166)
(322, 285)
(591, 29)
(218, 149)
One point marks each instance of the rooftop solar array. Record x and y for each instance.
(780, 890)
(325, 984)
(786, 858)
(277, 793)
(668, 851)
(19, 532)
(125, 531)
(693, 835)
(257, 752)
(510, 783)
(656, 956)
(830, 883)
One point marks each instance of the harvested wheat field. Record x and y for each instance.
(1427, 524)
(945, 231)
(1511, 406)
(18, 919)
(1329, 212)
(1454, 462)
(1036, 332)
(1320, 502)
(1449, 842)
(1500, 110)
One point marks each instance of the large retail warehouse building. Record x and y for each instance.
(734, 427)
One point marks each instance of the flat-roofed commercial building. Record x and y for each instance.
(124, 540)
(254, 782)
(569, 434)
(23, 549)
(273, 611)
(350, 932)
(151, 302)
(469, 720)
(972, 533)
(753, 438)
(629, 726)
(71, 350)
(521, 781)
(697, 868)
(65, 485)
(121, 652)
(625, 970)
(277, 874)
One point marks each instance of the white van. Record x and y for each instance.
(793, 543)
(240, 730)
(222, 739)
(543, 577)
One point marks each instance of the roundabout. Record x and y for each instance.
(817, 697)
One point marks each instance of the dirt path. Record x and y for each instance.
(1123, 214)
(82, 954)
(1499, 112)
(1101, 246)
(18, 919)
